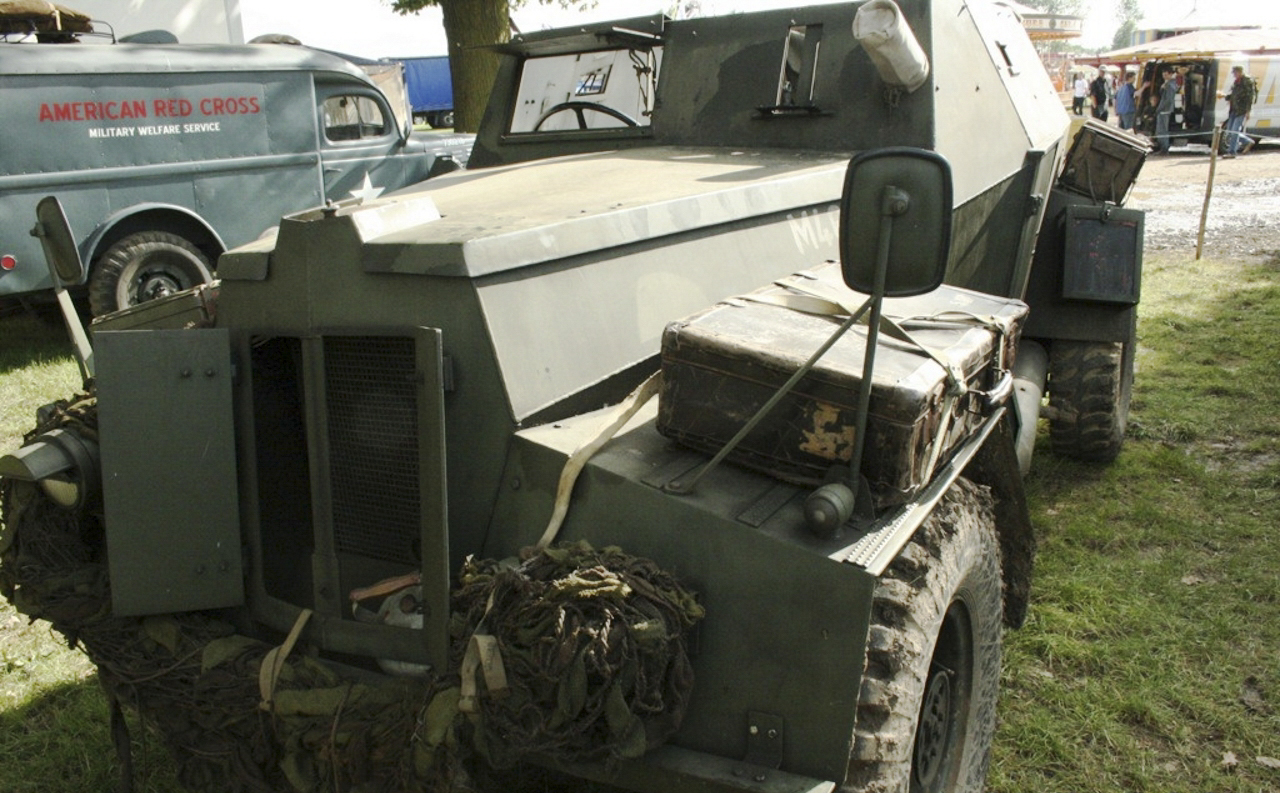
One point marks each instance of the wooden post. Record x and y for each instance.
(1208, 191)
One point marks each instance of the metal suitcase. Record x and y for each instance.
(720, 365)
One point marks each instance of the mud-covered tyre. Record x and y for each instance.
(927, 705)
(142, 267)
(1089, 389)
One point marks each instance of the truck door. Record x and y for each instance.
(362, 151)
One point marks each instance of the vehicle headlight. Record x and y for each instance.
(64, 464)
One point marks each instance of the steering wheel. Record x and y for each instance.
(579, 109)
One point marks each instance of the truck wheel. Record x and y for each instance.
(1089, 388)
(142, 267)
(927, 706)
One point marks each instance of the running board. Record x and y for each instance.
(874, 550)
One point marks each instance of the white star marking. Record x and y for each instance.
(367, 192)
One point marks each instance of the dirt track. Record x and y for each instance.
(1244, 209)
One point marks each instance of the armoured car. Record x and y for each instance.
(766, 304)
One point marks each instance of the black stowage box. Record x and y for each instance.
(1102, 259)
(720, 365)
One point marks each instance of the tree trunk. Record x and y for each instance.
(471, 25)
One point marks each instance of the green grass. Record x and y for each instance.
(36, 366)
(1151, 649)
(53, 715)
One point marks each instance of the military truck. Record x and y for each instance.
(810, 232)
(165, 155)
(430, 86)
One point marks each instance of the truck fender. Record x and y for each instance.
(150, 217)
(996, 466)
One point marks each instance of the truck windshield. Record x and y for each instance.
(606, 89)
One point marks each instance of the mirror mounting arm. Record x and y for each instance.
(65, 269)
(895, 203)
(911, 186)
(830, 506)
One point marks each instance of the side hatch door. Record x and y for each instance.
(362, 151)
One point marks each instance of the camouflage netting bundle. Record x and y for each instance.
(592, 643)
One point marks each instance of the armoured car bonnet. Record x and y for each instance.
(493, 221)
(611, 245)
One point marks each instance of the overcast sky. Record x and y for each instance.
(369, 28)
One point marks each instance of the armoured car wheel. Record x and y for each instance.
(579, 108)
(142, 267)
(1089, 388)
(927, 706)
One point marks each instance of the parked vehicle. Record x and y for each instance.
(1200, 106)
(164, 156)
(430, 86)
(419, 515)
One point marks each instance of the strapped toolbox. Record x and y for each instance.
(1103, 162)
(939, 356)
(196, 307)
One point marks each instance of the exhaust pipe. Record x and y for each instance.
(1029, 373)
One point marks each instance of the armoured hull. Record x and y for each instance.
(393, 386)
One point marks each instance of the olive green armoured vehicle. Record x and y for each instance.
(391, 507)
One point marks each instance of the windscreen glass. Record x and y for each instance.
(606, 89)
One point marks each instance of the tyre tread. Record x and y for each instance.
(1089, 397)
(955, 548)
(104, 279)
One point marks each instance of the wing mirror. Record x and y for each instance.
(65, 269)
(59, 246)
(895, 235)
(895, 214)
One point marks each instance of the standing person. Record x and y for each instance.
(1081, 90)
(1164, 110)
(1098, 89)
(1126, 102)
(1239, 102)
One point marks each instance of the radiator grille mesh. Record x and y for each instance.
(373, 445)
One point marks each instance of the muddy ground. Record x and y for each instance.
(1244, 207)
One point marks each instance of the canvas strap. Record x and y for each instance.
(816, 297)
(484, 656)
(612, 421)
(273, 662)
(820, 298)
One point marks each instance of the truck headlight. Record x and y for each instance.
(64, 464)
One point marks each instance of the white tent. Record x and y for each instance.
(1204, 42)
